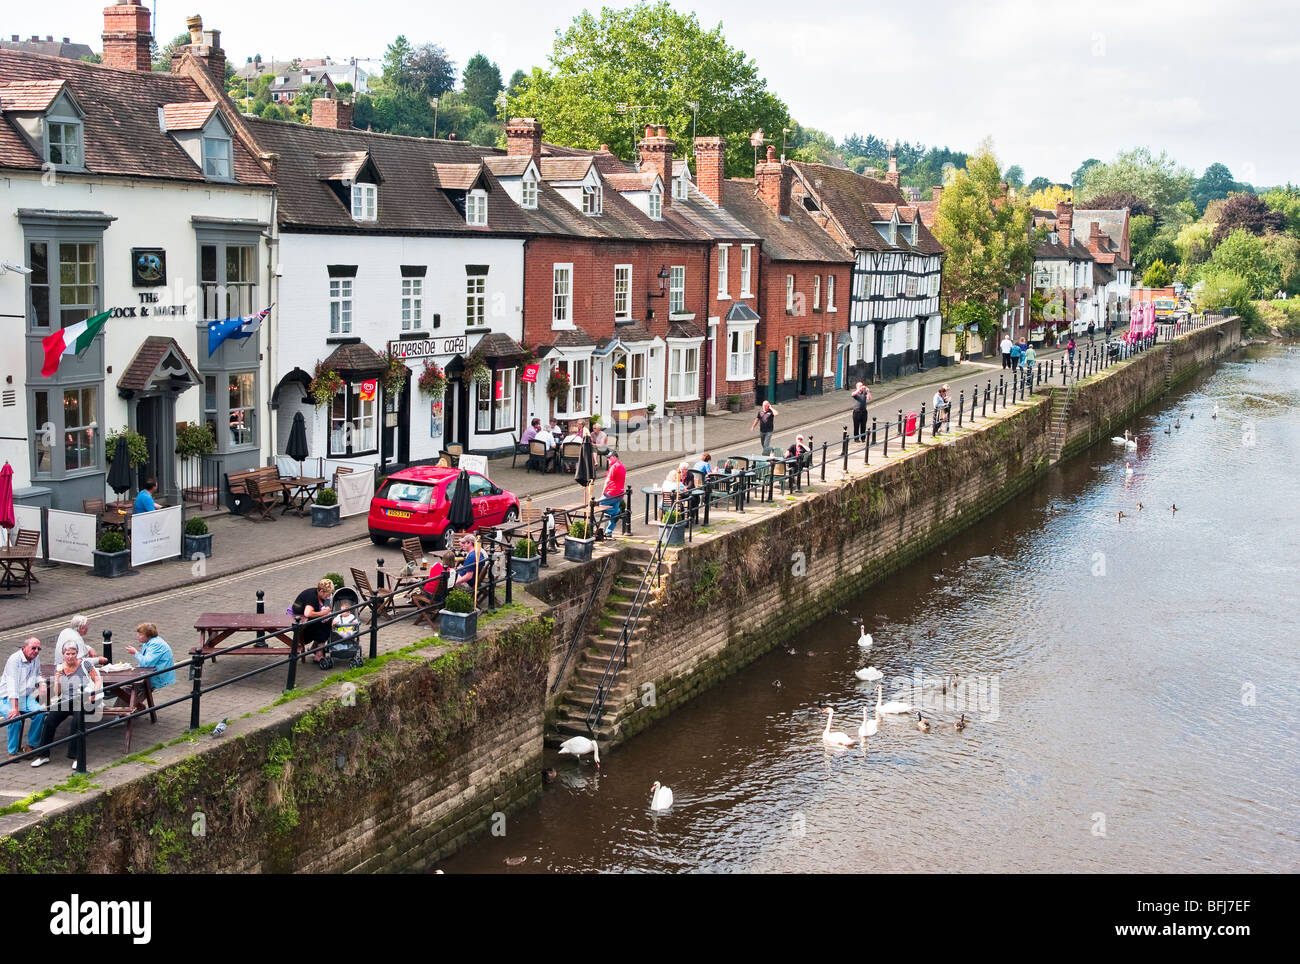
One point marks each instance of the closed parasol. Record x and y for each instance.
(297, 447)
(460, 514)
(119, 471)
(586, 473)
(7, 519)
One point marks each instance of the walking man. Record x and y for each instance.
(765, 422)
(861, 395)
(1006, 352)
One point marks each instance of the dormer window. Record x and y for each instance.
(679, 188)
(216, 157)
(365, 202)
(476, 208)
(656, 203)
(528, 196)
(592, 199)
(64, 142)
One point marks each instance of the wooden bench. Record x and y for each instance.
(244, 483)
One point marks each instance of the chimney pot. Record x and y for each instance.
(663, 131)
(604, 148)
(127, 37)
(657, 155)
(771, 153)
(524, 137)
(649, 130)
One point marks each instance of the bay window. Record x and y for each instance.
(740, 353)
(228, 280)
(495, 402)
(234, 423)
(629, 379)
(683, 373)
(579, 372)
(352, 422)
(80, 428)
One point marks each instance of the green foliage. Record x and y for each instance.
(580, 529)
(195, 439)
(1286, 201)
(1014, 176)
(1157, 276)
(1076, 179)
(459, 601)
(1037, 184)
(1262, 264)
(335, 578)
(196, 526)
(111, 542)
(137, 446)
(1246, 212)
(1219, 288)
(708, 586)
(327, 497)
(1192, 241)
(1157, 179)
(1282, 315)
(424, 70)
(650, 55)
(672, 517)
(482, 80)
(162, 58)
(525, 548)
(1215, 183)
(988, 247)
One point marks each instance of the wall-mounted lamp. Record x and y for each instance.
(663, 283)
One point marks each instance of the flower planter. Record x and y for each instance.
(458, 627)
(324, 516)
(676, 534)
(525, 569)
(194, 546)
(110, 565)
(733, 406)
(578, 550)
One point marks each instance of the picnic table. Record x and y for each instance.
(299, 492)
(132, 694)
(16, 569)
(216, 628)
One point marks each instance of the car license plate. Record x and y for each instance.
(397, 513)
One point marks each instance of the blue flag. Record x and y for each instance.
(219, 331)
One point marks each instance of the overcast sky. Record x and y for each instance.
(1052, 82)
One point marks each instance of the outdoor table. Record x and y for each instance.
(400, 582)
(216, 628)
(16, 569)
(116, 517)
(132, 693)
(299, 492)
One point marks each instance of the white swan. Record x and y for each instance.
(661, 797)
(1128, 469)
(835, 739)
(1126, 440)
(865, 639)
(893, 706)
(868, 674)
(580, 746)
(869, 727)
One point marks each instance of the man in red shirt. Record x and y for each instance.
(615, 484)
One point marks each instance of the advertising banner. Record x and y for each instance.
(475, 463)
(156, 535)
(29, 517)
(355, 491)
(72, 537)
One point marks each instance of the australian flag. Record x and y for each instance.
(219, 331)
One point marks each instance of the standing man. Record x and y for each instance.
(942, 403)
(612, 494)
(1092, 332)
(22, 691)
(1006, 352)
(861, 395)
(765, 422)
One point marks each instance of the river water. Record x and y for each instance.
(1130, 684)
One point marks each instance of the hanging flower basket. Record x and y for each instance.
(557, 385)
(395, 374)
(325, 384)
(480, 373)
(432, 381)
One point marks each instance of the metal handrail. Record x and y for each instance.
(582, 622)
(618, 659)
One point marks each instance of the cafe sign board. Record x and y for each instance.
(428, 347)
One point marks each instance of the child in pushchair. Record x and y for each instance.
(345, 630)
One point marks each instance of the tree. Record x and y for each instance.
(1158, 179)
(661, 61)
(1247, 256)
(1215, 183)
(1285, 201)
(1037, 184)
(517, 81)
(1246, 212)
(1157, 276)
(1015, 176)
(1192, 241)
(1218, 288)
(432, 71)
(987, 242)
(1077, 177)
(162, 59)
(397, 64)
(1113, 202)
(1047, 198)
(482, 81)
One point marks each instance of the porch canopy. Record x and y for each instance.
(159, 365)
(355, 360)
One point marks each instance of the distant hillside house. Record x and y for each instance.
(49, 46)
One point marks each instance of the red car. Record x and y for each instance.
(415, 502)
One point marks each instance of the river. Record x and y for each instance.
(1130, 684)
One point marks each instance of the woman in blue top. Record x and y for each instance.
(154, 653)
(1015, 357)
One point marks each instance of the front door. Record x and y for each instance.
(878, 369)
(771, 376)
(155, 419)
(397, 426)
(920, 345)
(803, 369)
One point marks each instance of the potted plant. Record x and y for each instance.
(733, 403)
(335, 578)
(675, 523)
(650, 410)
(112, 558)
(195, 440)
(670, 409)
(325, 510)
(197, 540)
(577, 547)
(525, 563)
(458, 618)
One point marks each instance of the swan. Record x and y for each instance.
(869, 727)
(580, 746)
(922, 723)
(865, 639)
(893, 706)
(960, 724)
(1128, 469)
(834, 739)
(1125, 439)
(661, 797)
(868, 674)
(1121, 515)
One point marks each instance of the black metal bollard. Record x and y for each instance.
(492, 577)
(886, 440)
(902, 433)
(81, 738)
(261, 602)
(900, 422)
(825, 445)
(984, 412)
(296, 650)
(380, 583)
(844, 447)
(374, 629)
(920, 425)
(196, 690)
(872, 440)
(510, 596)
(108, 645)
(627, 515)
(961, 405)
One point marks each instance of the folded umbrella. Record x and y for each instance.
(7, 518)
(119, 471)
(297, 447)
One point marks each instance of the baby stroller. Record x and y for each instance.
(344, 642)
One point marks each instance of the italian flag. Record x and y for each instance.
(71, 341)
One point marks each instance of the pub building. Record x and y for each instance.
(392, 246)
(135, 192)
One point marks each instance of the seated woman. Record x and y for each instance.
(434, 591)
(154, 653)
(76, 686)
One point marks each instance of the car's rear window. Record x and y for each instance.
(402, 490)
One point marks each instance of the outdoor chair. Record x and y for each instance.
(539, 455)
(413, 550)
(519, 449)
(92, 506)
(367, 592)
(570, 452)
(341, 470)
(263, 496)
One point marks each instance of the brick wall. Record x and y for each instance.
(777, 324)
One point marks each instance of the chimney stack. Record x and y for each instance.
(774, 179)
(710, 160)
(524, 138)
(126, 36)
(936, 193)
(891, 176)
(1065, 221)
(656, 150)
(327, 112)
(204, 46)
